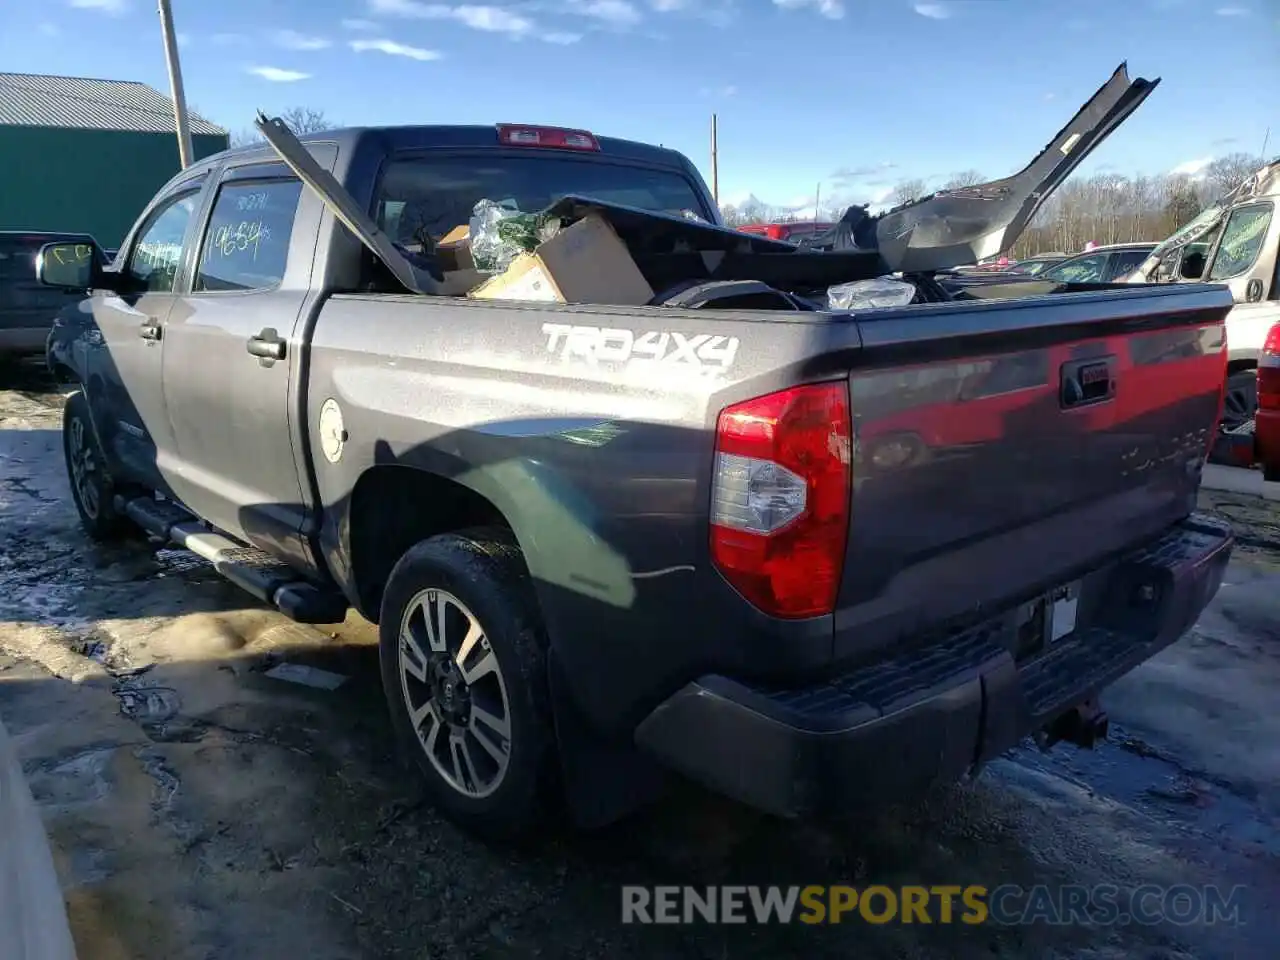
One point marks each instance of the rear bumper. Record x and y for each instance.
(894, 727)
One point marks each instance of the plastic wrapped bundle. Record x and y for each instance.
(868, 294)
(500, 234)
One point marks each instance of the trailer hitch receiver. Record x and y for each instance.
(1083, 725)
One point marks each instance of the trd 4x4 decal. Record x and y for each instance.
(711, 353)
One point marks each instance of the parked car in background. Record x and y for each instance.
(27, 307)
(1034, 266)
(1235, 241)
(1103, 264)
(790, 232)
(1266, 428)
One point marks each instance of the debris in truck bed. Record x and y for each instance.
(868, 294)
(585, 262)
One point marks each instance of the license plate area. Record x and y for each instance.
(1046, 621)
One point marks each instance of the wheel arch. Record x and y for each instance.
(394, 506)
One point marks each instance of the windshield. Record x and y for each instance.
(433, 195)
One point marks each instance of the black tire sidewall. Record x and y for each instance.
(107, 524)
(488, 576)
(1246, 379)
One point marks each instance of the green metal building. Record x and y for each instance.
(85, 156)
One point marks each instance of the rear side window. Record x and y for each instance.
(246, 244)
(1086, 269)
(1126, 261)
(18, 257)
(420, 199)
(1241, 241)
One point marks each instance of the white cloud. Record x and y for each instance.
(278, 74)
(831, 9)
(483, 17)
(353, 23)
(293, 40)
(934, 11)
(393, 49)
(616, 13)
(1232, 12)
(492, 20)
(1191, 167)
(227, 39)
(720, 93)
(476, 16)
(115, 8)
(666, 6)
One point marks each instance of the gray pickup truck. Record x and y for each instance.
(808, 558)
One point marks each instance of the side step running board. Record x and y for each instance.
(249, 568)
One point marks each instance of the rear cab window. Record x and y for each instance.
(422, 197)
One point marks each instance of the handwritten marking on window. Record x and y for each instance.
(246, 236)
(252, 201)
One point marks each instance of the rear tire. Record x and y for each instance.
(464, 672)
(92, 489)
(1240, 402)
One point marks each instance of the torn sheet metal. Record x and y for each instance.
(957, 227)
(339, 201)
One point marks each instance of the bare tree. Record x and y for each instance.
(904, 191)
(1227, 173)
(965, 178)
(299, 119)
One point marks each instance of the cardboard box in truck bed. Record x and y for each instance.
(585, 262)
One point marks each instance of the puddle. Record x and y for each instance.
(1128, 771)
(148, 705)
(71, 781)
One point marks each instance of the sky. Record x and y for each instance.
(842, 97)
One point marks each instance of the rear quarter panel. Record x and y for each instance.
(592, 431)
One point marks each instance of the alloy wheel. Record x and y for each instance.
(455, 693)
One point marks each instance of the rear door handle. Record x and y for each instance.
(268, 346)
(149, 331)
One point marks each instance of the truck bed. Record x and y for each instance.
(602, 457)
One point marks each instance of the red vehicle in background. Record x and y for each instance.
(790, 232)
(1266, 424)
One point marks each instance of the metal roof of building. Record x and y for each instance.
(41, 100)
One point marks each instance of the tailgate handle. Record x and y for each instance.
(1086, 382)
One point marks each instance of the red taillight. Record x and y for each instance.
(557, 138)
(780, 498)
(1269, 371)
(775, 232)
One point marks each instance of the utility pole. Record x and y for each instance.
(817, 201)
(1265, 140)
(175, 84)
(715, 164)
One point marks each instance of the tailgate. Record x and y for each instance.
(1039, 438)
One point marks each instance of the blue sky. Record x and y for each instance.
(853, 94)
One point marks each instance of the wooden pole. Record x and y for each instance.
(715, 164)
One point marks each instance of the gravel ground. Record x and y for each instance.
(199, 808)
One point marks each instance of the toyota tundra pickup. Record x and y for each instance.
(808, 558)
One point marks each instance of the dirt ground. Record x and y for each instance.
(199, 808)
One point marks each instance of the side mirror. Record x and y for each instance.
(70, 266)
